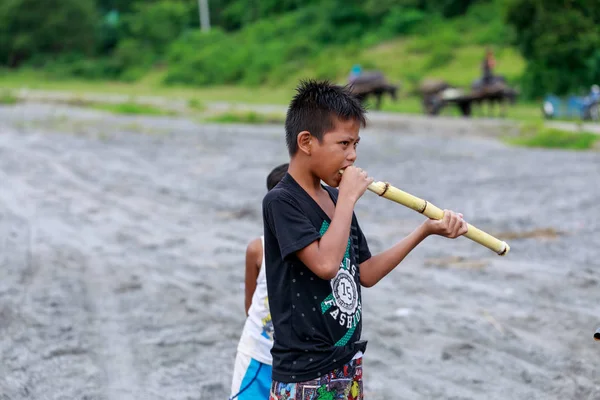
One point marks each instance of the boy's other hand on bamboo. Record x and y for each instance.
(452, 225)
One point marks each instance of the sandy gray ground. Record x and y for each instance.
(122, 245)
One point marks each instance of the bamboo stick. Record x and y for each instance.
(429, 210)
(390, 192)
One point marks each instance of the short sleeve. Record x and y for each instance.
(290, 225)
(363, 248)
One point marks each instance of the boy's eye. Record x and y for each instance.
(345, 143)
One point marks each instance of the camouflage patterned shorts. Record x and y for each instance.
(342, 383)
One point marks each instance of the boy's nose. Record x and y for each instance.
(352, 155)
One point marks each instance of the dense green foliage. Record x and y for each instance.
(537, 135)
(27, 33)
(256, 42)
(560, 39)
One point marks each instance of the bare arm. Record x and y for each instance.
(378, 266)
(323, 256)
(254, 255)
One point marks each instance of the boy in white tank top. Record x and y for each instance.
(252, 369)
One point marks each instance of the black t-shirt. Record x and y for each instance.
(317, 322)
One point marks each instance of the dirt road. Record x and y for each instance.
(122, 242)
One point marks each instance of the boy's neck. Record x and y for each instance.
(307, 180)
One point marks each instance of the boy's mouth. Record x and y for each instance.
(341, 170)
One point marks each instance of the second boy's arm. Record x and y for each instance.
(378, 266)
(254, 256)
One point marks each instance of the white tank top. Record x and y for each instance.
(257, 335)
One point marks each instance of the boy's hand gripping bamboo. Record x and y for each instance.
(429, 210)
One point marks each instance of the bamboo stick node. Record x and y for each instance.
(384, 189)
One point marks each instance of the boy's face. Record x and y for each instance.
(337, 150)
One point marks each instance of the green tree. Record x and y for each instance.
(559, 39)
(60, 26)
(156, 24)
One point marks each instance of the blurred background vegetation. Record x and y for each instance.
(541, 46)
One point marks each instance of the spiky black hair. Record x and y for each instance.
(315, 107)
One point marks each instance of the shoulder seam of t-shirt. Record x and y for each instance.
(286, 199)
(300, 244)
(284, 196)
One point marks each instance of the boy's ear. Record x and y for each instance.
(305, 142)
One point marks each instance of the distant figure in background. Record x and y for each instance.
(488, 65)
(595, 93)
(354, 73)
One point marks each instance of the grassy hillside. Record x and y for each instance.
(407, 42)
(263, 61)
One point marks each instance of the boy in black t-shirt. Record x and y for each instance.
(316, 255)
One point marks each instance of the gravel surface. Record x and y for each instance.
(122, 246)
